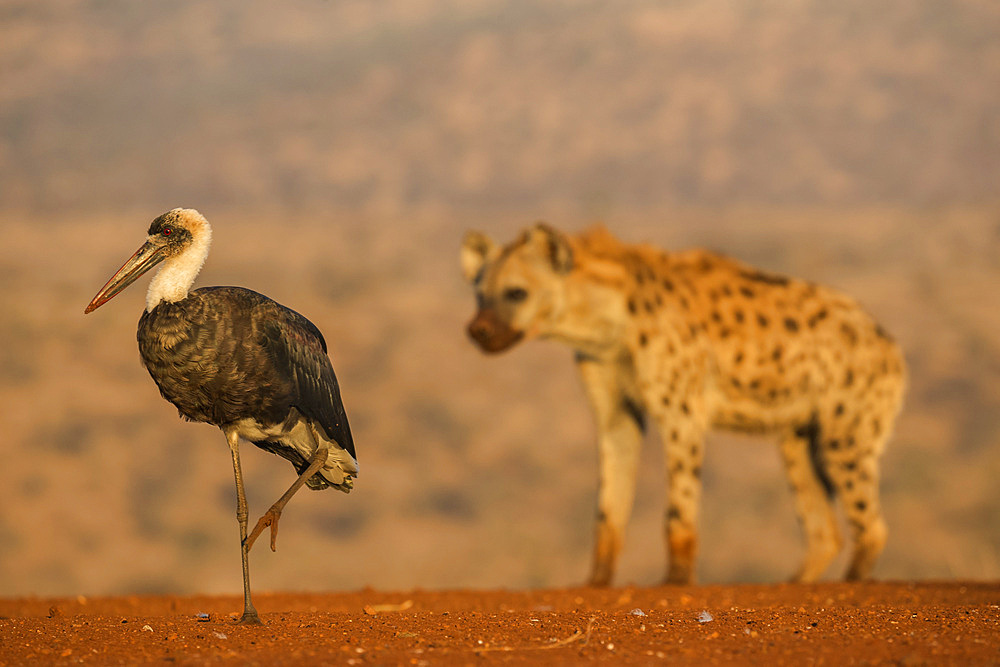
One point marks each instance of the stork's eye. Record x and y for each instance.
(515, 294)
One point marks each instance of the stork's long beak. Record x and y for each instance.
(145, 258)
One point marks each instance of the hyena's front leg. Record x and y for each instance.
(620, 428)
(683, 439)
(619, 456)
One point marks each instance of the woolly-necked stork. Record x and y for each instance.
(236, 359)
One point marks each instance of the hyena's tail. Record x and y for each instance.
(811, 433)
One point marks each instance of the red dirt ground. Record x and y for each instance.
(870, 623)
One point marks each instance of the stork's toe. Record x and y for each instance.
(270, 518)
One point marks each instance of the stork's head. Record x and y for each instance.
(180, 238)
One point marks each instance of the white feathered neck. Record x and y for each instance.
(176, 275)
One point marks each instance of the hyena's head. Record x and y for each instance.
(520, 288)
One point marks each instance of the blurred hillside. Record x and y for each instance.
(488, 103)
(340, 150)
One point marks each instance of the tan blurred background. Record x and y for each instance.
(341, 149)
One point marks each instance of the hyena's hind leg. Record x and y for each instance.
(813, 492)
(857, 429)
(853, 464)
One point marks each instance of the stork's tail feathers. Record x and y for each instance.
(339, 472)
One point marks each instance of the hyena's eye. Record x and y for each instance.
(515, 294)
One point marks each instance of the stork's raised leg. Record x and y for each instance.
(272, 515)
(249, 616)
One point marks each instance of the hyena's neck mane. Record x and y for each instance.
(595, 306)
(604, 261)
(599, 243)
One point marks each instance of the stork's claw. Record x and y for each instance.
(270, 518)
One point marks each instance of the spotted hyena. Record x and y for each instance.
(695, 340)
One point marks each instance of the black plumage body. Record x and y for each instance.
(237, 359)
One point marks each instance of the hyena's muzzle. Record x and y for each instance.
(491, 333)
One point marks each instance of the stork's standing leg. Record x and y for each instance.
(250, 616)
(272, 515)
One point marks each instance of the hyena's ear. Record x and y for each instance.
(554, 244)
(477, 250)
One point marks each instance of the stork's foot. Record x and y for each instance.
(270, 518)
(249, 617)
